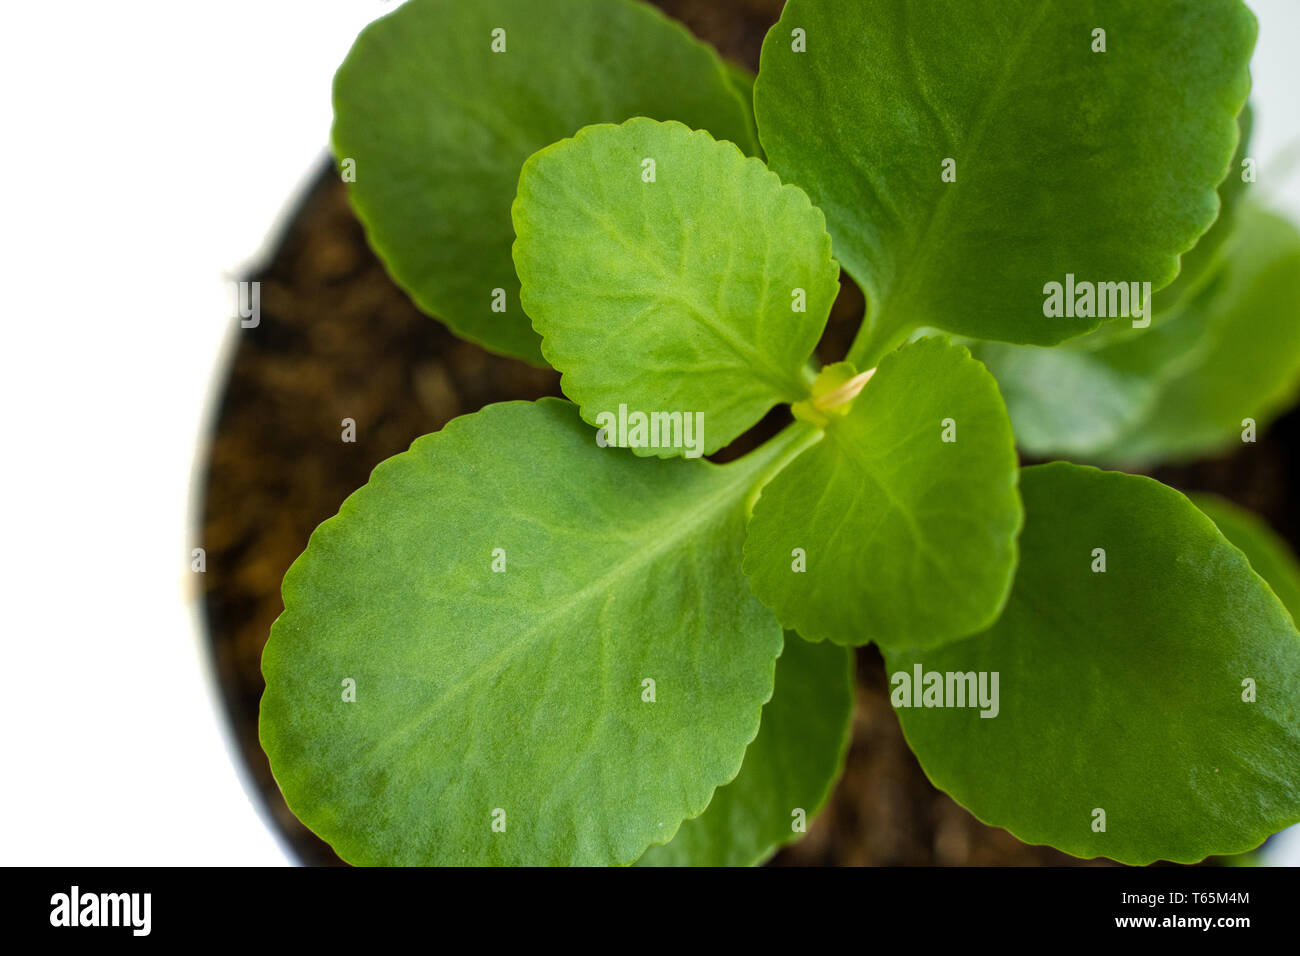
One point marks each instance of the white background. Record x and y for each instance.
(146, 153)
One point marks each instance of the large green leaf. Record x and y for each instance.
(1123, 690)
(1200, 263)
(789, 769)
(1183, 387)
(1101, 165)
(1198, 266)
(501, 594)
(699, 285)
(1269, 555)
(438, 125)
(1083, 395)
(904, 537)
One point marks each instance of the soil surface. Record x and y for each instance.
(338, 339)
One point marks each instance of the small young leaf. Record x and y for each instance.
(969, 152)
(554, 655)
(1172, 739)
(789, 769)
(1269, 555)
(441, 101)
(900, 526)
(668, 272)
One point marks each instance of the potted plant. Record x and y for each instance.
(553, 632)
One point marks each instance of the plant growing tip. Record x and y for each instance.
(832, 393)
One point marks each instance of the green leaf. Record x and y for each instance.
(742, 80)
(905, 538)
(438, 125)
(521, 690)
(791, 766)
(1202, 260)
(1067, 161)
(1183, 387)
(1083, 395)
(1247, 365)
(698, 284)
(1269, 555)
(1079, 398)
(1198, 266)
(1065, 401)
(1122, 691)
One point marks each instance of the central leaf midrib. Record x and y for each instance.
(859, 461)
(685, 524)
(786, 386)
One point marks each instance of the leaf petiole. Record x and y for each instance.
(771, 459)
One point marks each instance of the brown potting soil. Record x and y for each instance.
(338, 339)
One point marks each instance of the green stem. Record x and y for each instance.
(765, 463)
(810, 372)
(874, 341)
